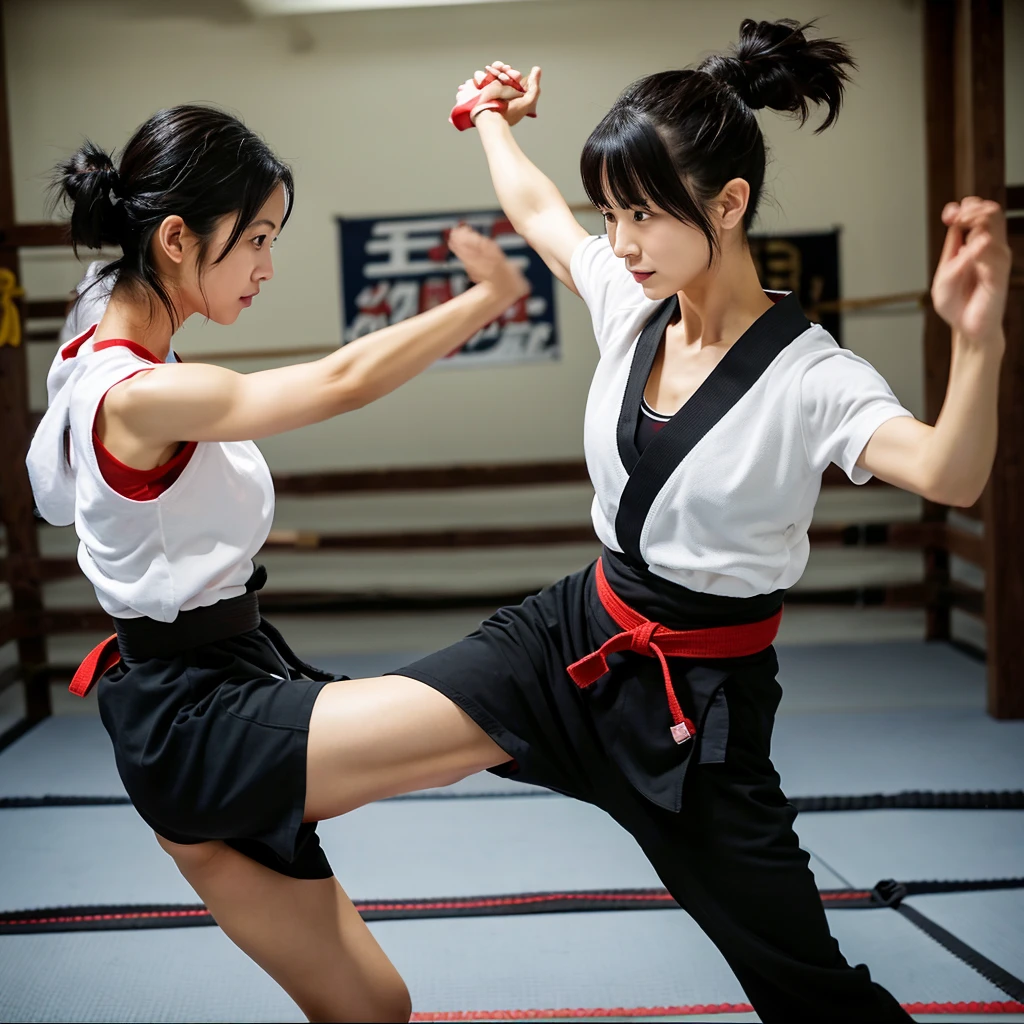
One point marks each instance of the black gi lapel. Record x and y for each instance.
(736, 373)
(640, 369)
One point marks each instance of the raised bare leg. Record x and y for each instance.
(305, 934)
(374, 738)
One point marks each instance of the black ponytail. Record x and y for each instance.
(197, 162)
(90, 182)
(774, 65)
(674, 139)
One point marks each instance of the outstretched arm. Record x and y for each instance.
(532, 203)
(950, 462)
(196, 402)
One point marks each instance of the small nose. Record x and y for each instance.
(623, 245)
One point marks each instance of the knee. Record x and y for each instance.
(396, 1003)
(392, 1003)
(387, 1004)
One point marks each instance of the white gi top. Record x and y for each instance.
(732, 518)
(187, 548)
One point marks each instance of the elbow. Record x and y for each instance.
(966, 498)
(956, 494)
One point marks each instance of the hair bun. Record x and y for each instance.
(89, 184)
(775, 65)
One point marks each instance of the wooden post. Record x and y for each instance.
(940, 142)
(981, 170)
(16, 505)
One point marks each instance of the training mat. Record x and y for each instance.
(878, 676)
(887, 752)
(68, 856)
(990, 922)
(69, 755)
(561, 960)
(816, 755)
(865, 846)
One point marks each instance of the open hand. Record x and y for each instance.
(486, 263)
(971, 281)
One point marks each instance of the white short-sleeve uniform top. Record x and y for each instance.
(191, 546)
(732, 517)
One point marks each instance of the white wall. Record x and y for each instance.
(361, 115)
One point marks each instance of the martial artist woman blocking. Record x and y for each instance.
(646, 684)
(207, 707)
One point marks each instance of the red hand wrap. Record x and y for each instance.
(462, 113)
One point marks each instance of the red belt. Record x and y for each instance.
(652, 640)
(102, 658)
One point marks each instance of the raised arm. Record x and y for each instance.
(950, 462)
(532, 203)
(196, 402)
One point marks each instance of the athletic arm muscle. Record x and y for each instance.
(532, 203)
(197, 402)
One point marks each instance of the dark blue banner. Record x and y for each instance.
(395, 267)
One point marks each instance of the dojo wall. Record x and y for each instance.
(357, 103)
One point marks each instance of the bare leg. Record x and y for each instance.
(305, 934)
(373, 738)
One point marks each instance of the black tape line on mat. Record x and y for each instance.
(1002, 979)
(908, 800)
(110, 917)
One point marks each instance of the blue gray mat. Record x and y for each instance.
(856, 719)
(816, 755)
(646, 958)
(990, 922)
(864, 846)
(383, 851)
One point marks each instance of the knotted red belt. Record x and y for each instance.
(652, 640)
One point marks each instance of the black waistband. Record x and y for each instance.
(146, 638)
(678, 607)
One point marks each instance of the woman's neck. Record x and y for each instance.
(721, 304)
(148, 325)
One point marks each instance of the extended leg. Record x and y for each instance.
(305, 934)
(373, 738)
(733, 861)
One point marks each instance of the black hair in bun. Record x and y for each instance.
(90, 183)
(775, 65)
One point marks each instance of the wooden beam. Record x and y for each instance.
(422, 478)
(981, 170)
(968, 546)
(49, 309)
(1004, 524)
(16, 510)
(939, 83)
(898, 536)
(34, 236)
(46, 570)
(442, 478)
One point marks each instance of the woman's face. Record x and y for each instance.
(661, 252)
(222, 290)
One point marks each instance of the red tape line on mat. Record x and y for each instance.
(685, 1011)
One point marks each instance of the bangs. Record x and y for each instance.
(625, 163)
(258, 184)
